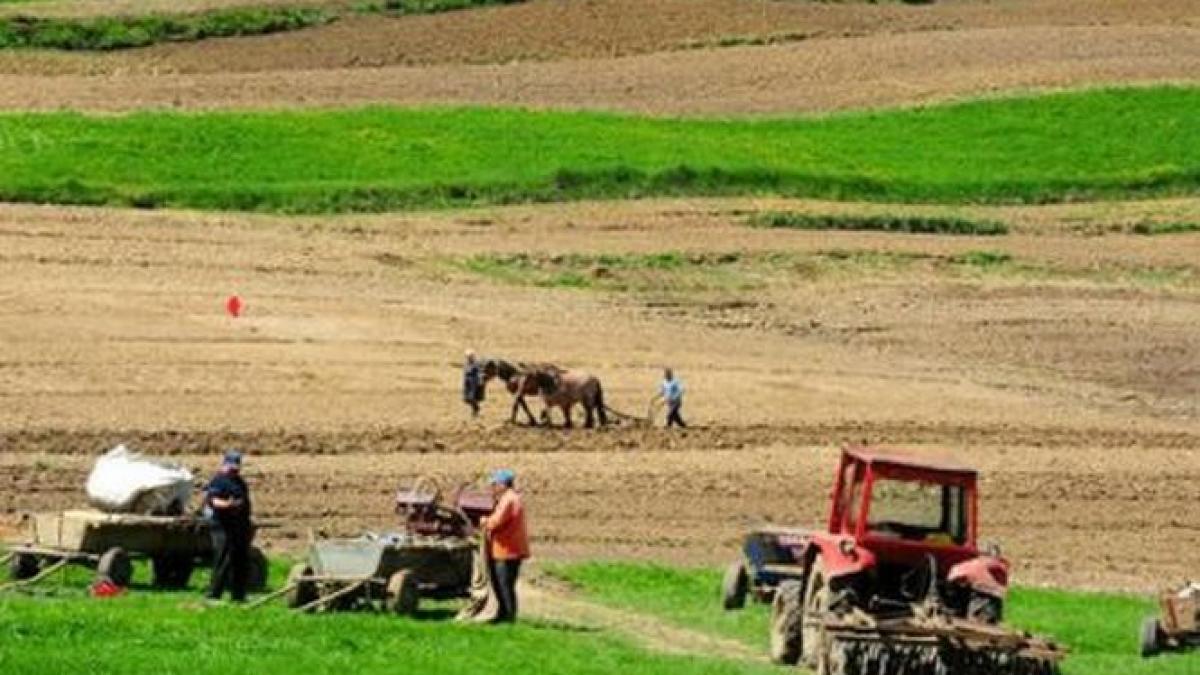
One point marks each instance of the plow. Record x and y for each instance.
(895, 585)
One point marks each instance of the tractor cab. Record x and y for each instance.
(905, 508)
(911, 517)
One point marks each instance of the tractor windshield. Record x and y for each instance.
(919, 511)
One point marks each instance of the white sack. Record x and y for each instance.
(126, 482)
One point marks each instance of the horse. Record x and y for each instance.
(517, 384)
(564, 388)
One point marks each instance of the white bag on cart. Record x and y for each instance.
(124, 481)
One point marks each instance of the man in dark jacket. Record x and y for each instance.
(227, 505)
(472, 382)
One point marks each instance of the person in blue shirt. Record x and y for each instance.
(227, 507)
(671, 392)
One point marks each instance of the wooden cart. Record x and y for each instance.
(391, 573)
(110, 542)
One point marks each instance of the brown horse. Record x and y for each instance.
(562, 389)
(515, 380)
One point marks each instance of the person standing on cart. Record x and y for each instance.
(227, 507)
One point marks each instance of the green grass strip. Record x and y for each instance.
(1093, 144)
(1153, 229)
(109, 33)
(1099, 629)
(883, 223)
(126, 32)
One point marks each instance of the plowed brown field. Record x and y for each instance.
(1071, 380)
(639, 56)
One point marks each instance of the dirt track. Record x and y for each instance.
(1076, 392)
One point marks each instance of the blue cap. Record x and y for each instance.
(232, 458)
(503, 477)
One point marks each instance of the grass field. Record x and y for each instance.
(62, 631)
(1100, 630)
(1055, 147)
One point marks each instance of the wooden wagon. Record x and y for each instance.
(110, 542)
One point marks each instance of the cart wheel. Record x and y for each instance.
(23, 566)
(256, 582)
(116, 567)
(302, 593)
(172, 571)
(1151, 637)
(735, 586)
(403, 596)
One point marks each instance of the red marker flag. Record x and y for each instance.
(234, 306)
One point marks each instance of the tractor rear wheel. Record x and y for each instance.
(787, 615)
(816, 609)
(735, 586)
(403, 596)
(1151, 637)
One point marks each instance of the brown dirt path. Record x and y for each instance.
(812, 76)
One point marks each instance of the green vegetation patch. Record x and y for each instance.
(108, 33)
(1109, 143)
(1100, 630)
(672, 271)
(1152, 228)
(125, 32)
(878, 223)
(676, 272)
(428, 6)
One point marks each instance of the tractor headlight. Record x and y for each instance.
(846, 546)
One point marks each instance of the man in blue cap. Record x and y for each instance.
(227, 506)
(508, 542)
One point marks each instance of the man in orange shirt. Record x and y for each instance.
(508, 542)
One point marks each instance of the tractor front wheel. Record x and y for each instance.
(816, 610)
(735, 586)
(787, 615)
(1152, 634)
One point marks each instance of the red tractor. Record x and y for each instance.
(897, 583)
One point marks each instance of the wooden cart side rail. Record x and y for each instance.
(56, 553)
(36, 578)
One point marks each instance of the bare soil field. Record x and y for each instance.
(1070, 376)
(660, 57)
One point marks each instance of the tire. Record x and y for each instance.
(985, 609)
(301, 593)
(1151, 637)
(116, 566)
(735, 586)
(787, 613)
(816, 607)
(260, 569)
(23, 566)
(172, 572)
(403, 597)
